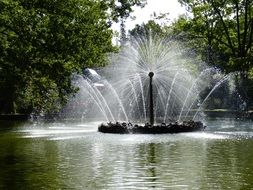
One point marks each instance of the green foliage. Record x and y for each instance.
(42, 43)
(223, 30)
(150, 27)
(222, 33)
(120, 10)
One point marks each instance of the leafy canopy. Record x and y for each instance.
(222, 31)
(42, 42)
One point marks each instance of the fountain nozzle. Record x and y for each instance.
(150, 74)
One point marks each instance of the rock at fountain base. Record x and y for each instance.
(129, 128)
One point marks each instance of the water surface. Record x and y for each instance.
(73, 155)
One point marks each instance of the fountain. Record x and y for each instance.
(150, 128)
(152, 86)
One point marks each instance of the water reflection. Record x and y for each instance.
(75, 156)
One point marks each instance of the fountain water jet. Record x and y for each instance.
(156, 79)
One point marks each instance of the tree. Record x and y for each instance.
(42, 43)
(121, 10)
(222, 33)
(225, 27)
(150, 27)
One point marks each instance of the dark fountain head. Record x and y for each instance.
(151, 74)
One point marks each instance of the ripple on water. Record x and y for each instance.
(82, 158)
(88, 132)
(207, 135)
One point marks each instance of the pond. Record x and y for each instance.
(73, 155)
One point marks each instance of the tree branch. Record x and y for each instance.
(225, 28)
(238, 28)
(245, 27)
(220, 41)
(249, 45)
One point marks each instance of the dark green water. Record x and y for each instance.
(72, 155)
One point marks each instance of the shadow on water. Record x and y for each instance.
(148, 153)
(29, 165)
(6, 125)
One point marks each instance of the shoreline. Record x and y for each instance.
(14, 117)
(209, 113)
